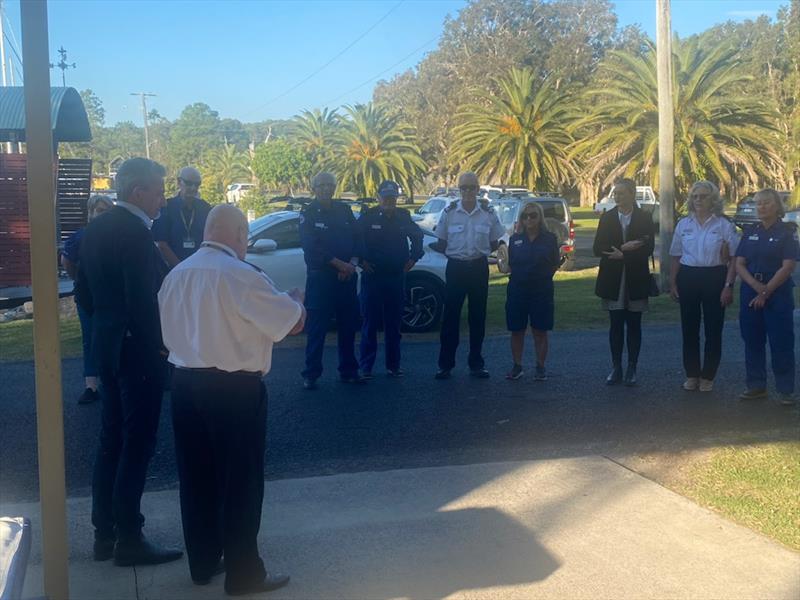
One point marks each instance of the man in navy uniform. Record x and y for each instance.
(332, 247)
(468, 232)
(179, 230)
(386, 231)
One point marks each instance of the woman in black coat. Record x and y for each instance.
(624, 241)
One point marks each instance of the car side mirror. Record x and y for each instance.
(418, 210)
(264, 246)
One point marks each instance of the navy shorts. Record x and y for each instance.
(529, 303)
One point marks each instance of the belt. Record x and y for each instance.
(762, 277)
(467, 260)
(221, 372)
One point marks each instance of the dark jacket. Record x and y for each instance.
(635, 263)
(386, 239)
(119, 274)
(329, 233)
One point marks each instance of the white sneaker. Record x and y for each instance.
(690, 384)
(706, 385)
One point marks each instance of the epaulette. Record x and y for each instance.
(451, 206)
(486, 206)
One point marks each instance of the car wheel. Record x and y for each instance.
(424, 304)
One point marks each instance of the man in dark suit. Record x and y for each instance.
(119, 276)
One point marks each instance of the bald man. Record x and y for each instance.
(220, 319)
(179, 230)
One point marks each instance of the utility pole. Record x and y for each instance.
(63, 65)
(666, 137)
(144, 96)
(3, 60)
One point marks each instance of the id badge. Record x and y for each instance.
(188, 244)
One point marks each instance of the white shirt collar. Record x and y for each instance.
(226, 249)
(135, 210)
(477, 207)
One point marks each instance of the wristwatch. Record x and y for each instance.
(728, 284)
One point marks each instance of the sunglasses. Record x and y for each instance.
(469, 188)
(532, 216)
(190, 183)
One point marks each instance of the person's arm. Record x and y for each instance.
(675, 266)
(169, 256)
(643, 245)
(415, 236)
(139, 276)
(746, 277)
(601, 243)
(729, 246)
(314, 251)
(275, 314)
(70, 267)
(496, 232)
(441, 233)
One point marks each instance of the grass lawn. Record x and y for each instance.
(756, 485)
(584, 218)
(16, 339)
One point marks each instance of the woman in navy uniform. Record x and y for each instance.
(332, 247)
(765, 260)
(387, 232)
(533, 259)
(703, 273)
(625, 241)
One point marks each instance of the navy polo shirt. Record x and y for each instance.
(72, 246)
(181, 227)
(533, 261)
(766, 249)
(328, 233)
(386, 236)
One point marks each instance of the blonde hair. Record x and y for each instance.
(93, 201)
(537, 208)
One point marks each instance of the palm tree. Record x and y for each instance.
(223, 167)
(316, 132)
(518, 136)
(375, 145)
(721, 133)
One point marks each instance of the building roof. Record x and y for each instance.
(67, 115)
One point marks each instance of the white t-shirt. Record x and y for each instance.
(701, 245)
(469, 234)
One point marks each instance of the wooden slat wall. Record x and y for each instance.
(15, 233)
(73, 187)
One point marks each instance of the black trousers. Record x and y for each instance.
(131, 409)
(699, 289)
(464, 279)
(220, 422)
(625, 326)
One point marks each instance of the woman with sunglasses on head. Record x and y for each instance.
(533, 259)
(765, 260)
(703, 273)
(624, 241)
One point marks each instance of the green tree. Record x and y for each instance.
(220, 168)
(377, 145)
(316, 133)
(721, 133)
(281, 164)
(520, 135)
(194, 133)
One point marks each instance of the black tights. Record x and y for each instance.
(616, 335)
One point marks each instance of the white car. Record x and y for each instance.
(274, 247)
(237, 191)
(645, 198)
(427, 216)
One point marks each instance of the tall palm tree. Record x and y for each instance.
(519, 135)
(316, 132)
(375, 145)
(223, 167)
(721, 133)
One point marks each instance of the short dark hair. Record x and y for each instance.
(136, 172)
(626, 182)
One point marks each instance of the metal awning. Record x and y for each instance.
(67, 115)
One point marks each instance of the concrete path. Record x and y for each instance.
(560, 528)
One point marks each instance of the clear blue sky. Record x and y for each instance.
(243, 57)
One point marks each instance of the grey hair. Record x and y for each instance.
(136, 172)
(93, 201)
(538, 208)
(625, 182)
(323, 177)
(776, 197)
(716, 200)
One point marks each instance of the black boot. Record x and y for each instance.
(137, 550)
(615, 376)
(630, 375)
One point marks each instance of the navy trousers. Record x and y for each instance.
(382, 298)
(465, 279)
(774, 322)
(326, 298)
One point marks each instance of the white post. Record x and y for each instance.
(666, 137)
(47, 351)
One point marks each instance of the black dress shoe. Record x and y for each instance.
(218, 570)
(479, 373)
(104, 549)
(442, 374)
(138, 551)
(271, 582)
(615, 376)
(309, 383)
(88, 396)
(630, 375)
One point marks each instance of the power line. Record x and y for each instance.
(386, 70)
(320, 69)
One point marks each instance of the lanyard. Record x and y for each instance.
(191, 221)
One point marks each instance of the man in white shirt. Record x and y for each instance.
(220, 319)
(468, 231)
